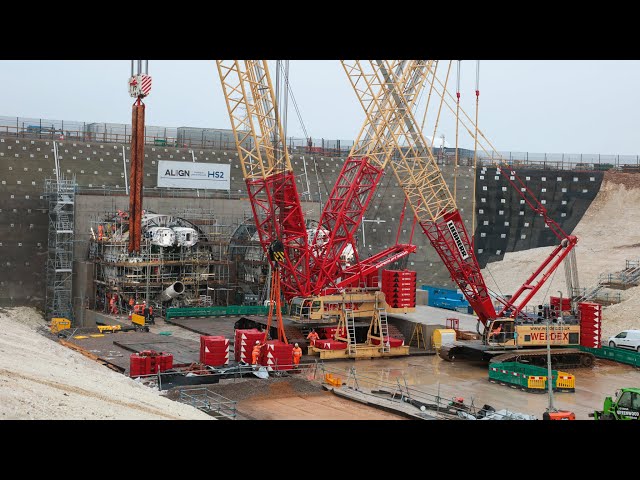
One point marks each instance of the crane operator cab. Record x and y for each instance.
(501, 332)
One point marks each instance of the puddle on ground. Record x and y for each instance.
(435, 376)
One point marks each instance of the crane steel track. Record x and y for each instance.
(560, 357)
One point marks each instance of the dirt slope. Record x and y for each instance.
(40, 379)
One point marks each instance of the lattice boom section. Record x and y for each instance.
(342, 215)
(277, 213)
(449, 237)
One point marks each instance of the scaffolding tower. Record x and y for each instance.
(60, 194)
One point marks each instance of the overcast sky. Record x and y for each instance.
(536, 106)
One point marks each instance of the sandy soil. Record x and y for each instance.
(298, 397)
(608, 235)
(41, 379)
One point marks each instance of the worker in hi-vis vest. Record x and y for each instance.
(297, 354)
(312, 337)
(255, 353)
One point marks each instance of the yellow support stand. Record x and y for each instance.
(418, 334)
(333, 380)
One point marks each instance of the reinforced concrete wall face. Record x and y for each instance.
(25, 163)
(506, 224)
(23, 221)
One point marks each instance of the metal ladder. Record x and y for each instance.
(350, 322)
(384, 329)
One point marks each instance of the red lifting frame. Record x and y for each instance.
(357, 273)
(277, 214)
(341, 217)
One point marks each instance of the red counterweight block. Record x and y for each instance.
(139, 365)
(327, 344)
(329, 332)
(164, 361)
(214, 350)
(149, 362)
(393, 342)
(590, 324)
(277, 355)
(244, 343)
(399, 288)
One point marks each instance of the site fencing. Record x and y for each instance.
(223, 139)
(179, 137)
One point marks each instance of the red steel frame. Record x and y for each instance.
(363, 268)
(550, 264)
(278, 215)
(464, 271)
(341, 217)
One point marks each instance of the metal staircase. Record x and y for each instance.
(587, 294)
(620, 280)
(60, 194)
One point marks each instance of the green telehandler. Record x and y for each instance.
(626, 406)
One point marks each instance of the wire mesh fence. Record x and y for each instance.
(218, 138)
(184, 137)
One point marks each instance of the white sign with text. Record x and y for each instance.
(212, 176)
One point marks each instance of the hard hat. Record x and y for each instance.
(296, 344)
(257, 342)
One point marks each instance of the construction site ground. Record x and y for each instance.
(40, 378)
(425, 373)
(296, 397)
(469, 380)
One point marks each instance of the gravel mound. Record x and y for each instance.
(41, 379)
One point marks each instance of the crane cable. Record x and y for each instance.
(455, 166)
(435, 127)
(306, 135)
(475, 152)
(276, 131)
(473, 209)
(433, 78)
(281, 154)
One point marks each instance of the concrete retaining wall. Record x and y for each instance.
(506, 224)
(25, 163)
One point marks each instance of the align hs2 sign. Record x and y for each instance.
(212, 176)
